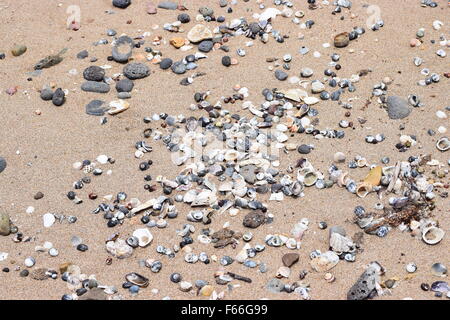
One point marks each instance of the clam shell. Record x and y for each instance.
(310, 100)
(283, 272)
(137, 279)
(340, 243)
(310, 178)
(294, 94)
(432, 235)
(144, 236)
(118, 106)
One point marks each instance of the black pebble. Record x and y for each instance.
(226, 61)
(58, 98)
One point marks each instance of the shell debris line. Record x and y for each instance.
(227, 149)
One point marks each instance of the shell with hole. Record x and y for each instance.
(432, 235)
(363, 189)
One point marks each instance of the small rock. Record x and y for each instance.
(290, 259)
(304, 149)
(94, 294)
(165, 63)
(96, 108)
(151, 8)
(94, 73)
(199, 33)
(136, 70)
(38, 196)
(46, 94)
(226, 61)
(275, 285)
(94, 86)
(122, 4)
(341, 40)
(178, 67)
(2, 164)
(5, 224)
(281, 75)
(122, 49)
(59, 97)
(124, 85)
(205, 46)
(168, 5)
(254, 219)
(397, 107)
(184, 18)
(18, 50)
(82, 54)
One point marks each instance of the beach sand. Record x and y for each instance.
(40, 150)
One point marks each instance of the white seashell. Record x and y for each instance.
(3, 256)
(437, 25)
(144, 206)
(30, 210)
(340, 243)
(118, 106)
(283, 272)
(144, 236)
(269, 13)
(292, 244)
(432, 235)
(311, 100)
(49, 220)
(325, 261)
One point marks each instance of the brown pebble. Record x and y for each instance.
(290, 259)
(38, 196)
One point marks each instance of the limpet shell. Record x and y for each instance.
(432, 235)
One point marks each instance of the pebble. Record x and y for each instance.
(184, 18)
(2, 164)
(165, 63)
(82, 54)
(304, 149)
(122, 49)
(124, 85)
(136, 70)
(96, 108)
(49, 220)
(205, 46)
(226, 61)
(123, 4)
(289, 259)
(5, 224)
(168, 5)
(281, 75)
(199, 33)
(93, 73)
(94, 86)
(46, 94)
(59, 97)
(18, 50)
(341, 40)
(178, 67)
(398, 108)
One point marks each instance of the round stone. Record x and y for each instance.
(136, 70)
(123, 4)
(165, 63)
(304, 149)
(46, 94)
(205, 46)
(184, 18)
(281, 75)
(178, 67)
(226, 61)
(58, 98)
(124, 85)
(93, 73)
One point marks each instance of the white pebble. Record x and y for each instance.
(48, 245)
(30, 210)
(77, 165)
(441, 114)
(442, 129)
(53, 252)
(29, 262)
(49, 220)
(102, 159)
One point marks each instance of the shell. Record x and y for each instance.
(443, 144)
(118, 106)
(361, 162)
(374, 176)
(363, 189)
(325, 261)
(310, 178)
(137, 279)
(342, 179)
(144, 236)
(294, 94)
(438, 269)
(340, 243)
(432, 235)
(283, 272)
(310, 100)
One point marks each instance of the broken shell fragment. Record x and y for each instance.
(374, 176)
(363, 189)
(118, 106)
(443, 144)
(438, 269)
(144, 236)
(432, 235)
(325, 261)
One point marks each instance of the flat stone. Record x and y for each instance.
(136, 70)
(93, 73)
(96, 108)
(5, 224)
(397, 107)
(248, 172)
(199, 33)
(82, 54)
(94, 294)
(205, 46)
(254, 219)
(275, 285)
(124, 85)
(122, 49)
(94, 86)
(178, 67)
(168, 5)
(122, 4)
(289, 259)
(2, 164)
(281, 75)
(165, 63)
